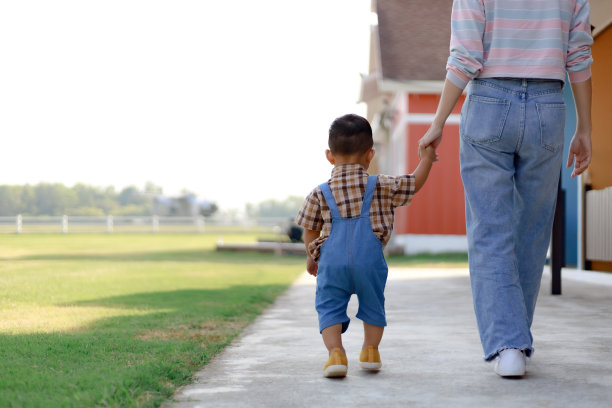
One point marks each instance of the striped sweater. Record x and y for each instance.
(519, 39)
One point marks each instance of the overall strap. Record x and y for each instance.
(369, 193)
(331, 203)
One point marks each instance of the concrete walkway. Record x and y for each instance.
(431, 352)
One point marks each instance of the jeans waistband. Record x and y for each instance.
(522, 84)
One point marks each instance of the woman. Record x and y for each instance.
(515, 55)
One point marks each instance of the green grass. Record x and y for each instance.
(443, 260)
(122, 320)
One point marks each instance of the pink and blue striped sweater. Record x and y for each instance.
(519, 39)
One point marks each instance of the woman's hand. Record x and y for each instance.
(432, 137)
(580, 149)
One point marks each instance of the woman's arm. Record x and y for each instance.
(466, 52)
(578, 58)
(448, 100)
(578, 65)
(464, 63)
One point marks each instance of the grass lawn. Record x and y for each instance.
(122, 320)
(444, 260)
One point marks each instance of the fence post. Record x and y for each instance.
(64, 224)
(19, 223)
(278, 249)
(200, 223)
(109, 224)
(155, 221)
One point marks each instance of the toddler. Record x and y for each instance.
(347, 222)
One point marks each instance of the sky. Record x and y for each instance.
(229, 99)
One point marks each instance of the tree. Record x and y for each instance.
(275, 208)
(152, 189)
(11, 200)
(53, 199)
(131, 196)
(209, 209)
(83, 199)
(103, 198)
(28, 202)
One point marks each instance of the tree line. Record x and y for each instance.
(81, 199)
(86, 200)
(275, 208)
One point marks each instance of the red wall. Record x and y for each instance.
(438, 208)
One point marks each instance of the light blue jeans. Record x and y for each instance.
(511, 152)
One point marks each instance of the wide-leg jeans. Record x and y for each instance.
(511, 152)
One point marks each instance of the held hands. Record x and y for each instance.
(433, 136)
(428, 153)
(580, 149)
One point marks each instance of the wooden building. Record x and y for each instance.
(597, 184)
(408, 51)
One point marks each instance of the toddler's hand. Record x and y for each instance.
(428, 153)
(312, 266)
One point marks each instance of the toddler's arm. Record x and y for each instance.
(311, 265)
(428, 156)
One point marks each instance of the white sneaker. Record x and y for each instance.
(510, 363)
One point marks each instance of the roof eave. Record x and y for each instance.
(602, 28)
(412, 86)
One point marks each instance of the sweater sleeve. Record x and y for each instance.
(578, 61)
(466, 51)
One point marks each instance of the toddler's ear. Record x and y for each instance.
(330, 157)
(369, 155)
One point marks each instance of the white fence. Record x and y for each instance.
(599, 225)
(135, 224)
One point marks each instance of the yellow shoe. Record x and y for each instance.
(369, 359)
(337, 364)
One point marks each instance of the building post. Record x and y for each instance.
(19, 224)
(581, 224)
(557, 256)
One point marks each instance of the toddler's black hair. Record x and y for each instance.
(350, 134)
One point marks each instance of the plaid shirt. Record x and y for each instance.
(348, 184)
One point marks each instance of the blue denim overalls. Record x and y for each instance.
(351, 261)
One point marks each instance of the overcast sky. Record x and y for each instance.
(229, 99)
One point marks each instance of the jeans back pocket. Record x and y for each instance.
(552, 125)
(484, 118)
